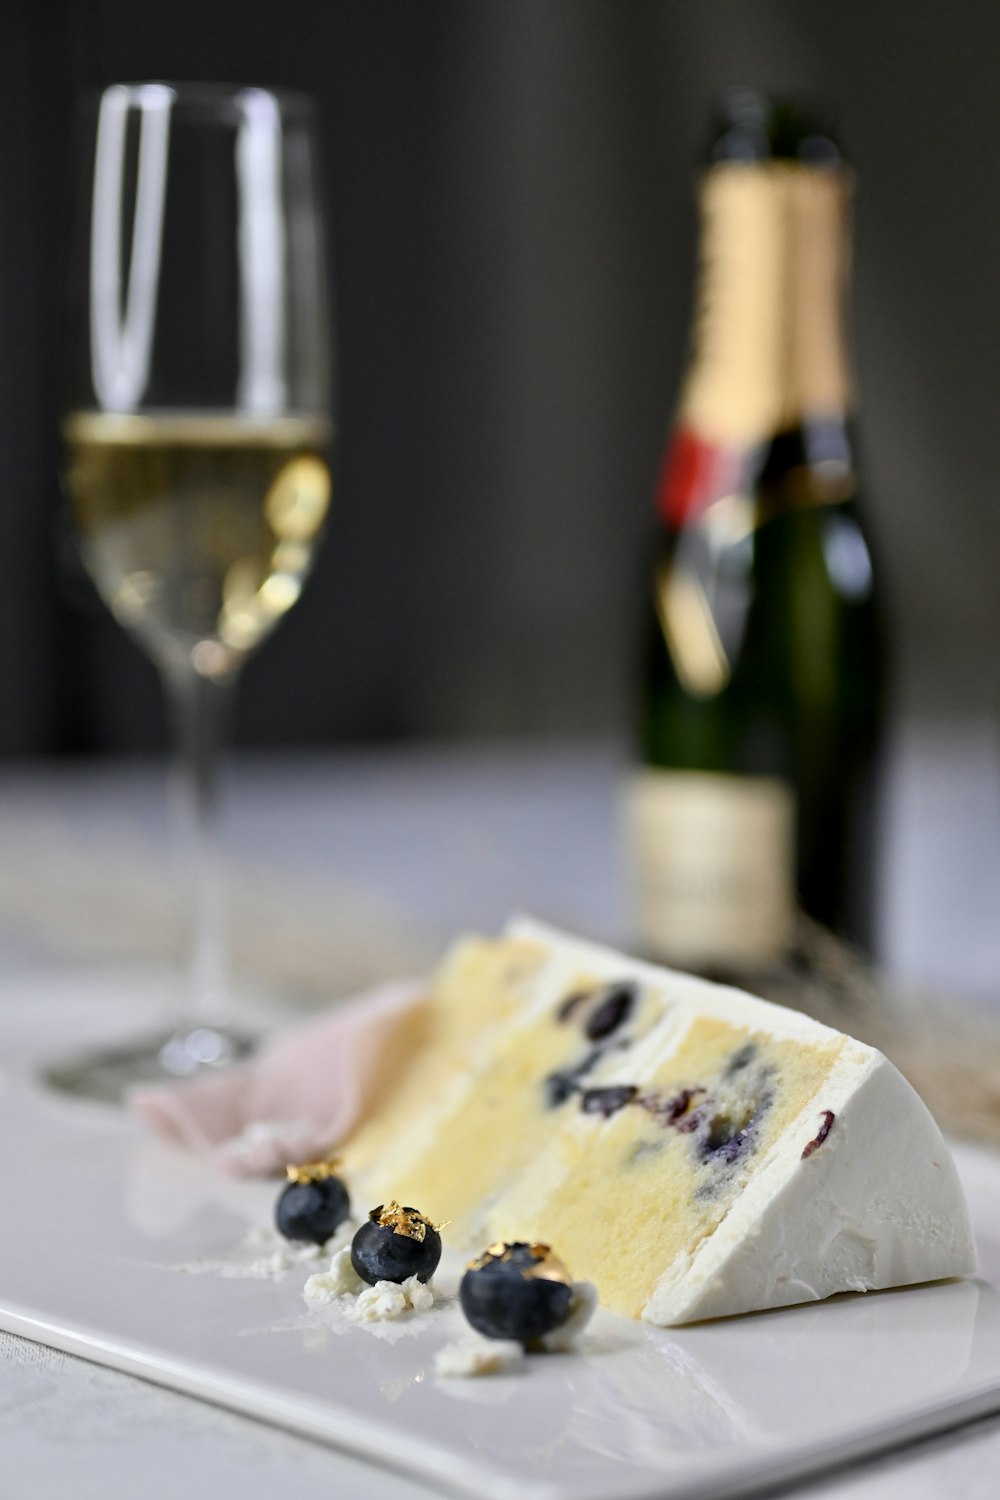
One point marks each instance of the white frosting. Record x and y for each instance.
(877, 1204)
(685, 995)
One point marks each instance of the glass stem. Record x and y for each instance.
(200, 709)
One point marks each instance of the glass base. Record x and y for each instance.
(163, 1057)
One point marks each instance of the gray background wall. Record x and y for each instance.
(511, 188)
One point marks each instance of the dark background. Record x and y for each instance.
(510, 185)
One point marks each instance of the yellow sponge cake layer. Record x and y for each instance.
(503, 1119)
(660, 1161)
(481, 986)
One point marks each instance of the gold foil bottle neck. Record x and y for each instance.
(769, 345)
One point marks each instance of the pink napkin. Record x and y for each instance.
(300, 1095)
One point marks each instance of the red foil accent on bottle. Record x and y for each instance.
(694, 472)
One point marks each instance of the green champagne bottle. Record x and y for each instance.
(763, 674)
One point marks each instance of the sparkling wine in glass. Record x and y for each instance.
(196, 433)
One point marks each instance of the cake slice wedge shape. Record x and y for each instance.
(763, 1160)
(869, 1200)
(707, 1154)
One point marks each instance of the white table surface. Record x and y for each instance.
(415, 844)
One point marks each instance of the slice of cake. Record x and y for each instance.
(691, 1150)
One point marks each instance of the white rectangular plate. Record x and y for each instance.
(100, 1219)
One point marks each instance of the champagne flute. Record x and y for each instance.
(196, 430)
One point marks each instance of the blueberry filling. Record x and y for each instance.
(607, 1101)
(564, 1082)
(613, 1011)
(733, 1127)
(676, 1110)
(613, 1005)
(723, 1121)
(726, 1138)
(821, 1134)
(741, 1059)
(558, 1088)
(724, 1125)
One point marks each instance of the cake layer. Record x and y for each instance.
(481, 987)
(691, 1150)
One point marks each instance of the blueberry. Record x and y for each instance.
(562, 1084)
(675, 1109)
(616, 1005)
(312, 1204)
(741, 1059)
(558, 1088)
(516, 1291)
(726, 1138)
(607, 1101)
(394, 1244)
(572, 1003)
(732, 1129)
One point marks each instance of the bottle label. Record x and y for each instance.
(713, 866)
